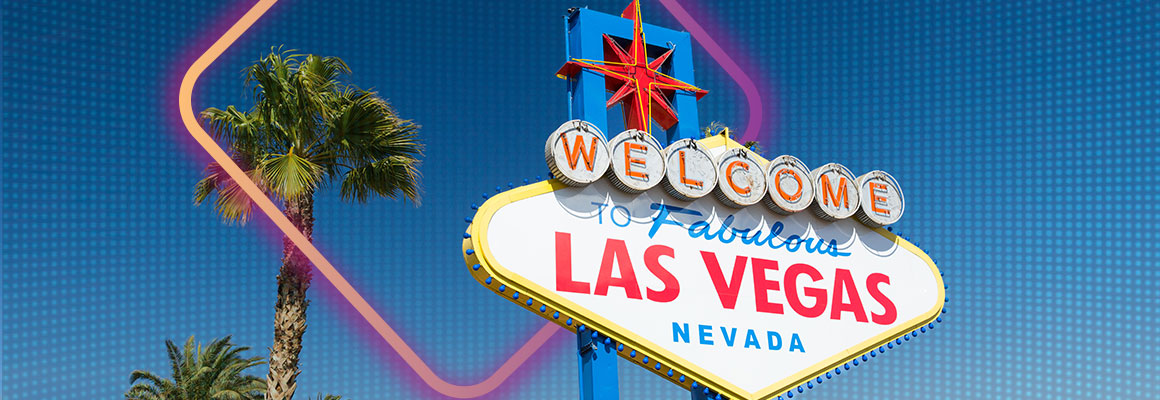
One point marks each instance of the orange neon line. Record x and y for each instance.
(687, 86)
(185, 104)
(602, 62)
(610, 72)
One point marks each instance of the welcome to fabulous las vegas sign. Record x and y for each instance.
(703, 261)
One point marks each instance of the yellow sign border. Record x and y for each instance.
(572, 316)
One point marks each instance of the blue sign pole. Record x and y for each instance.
(598, 375)
(588, 96)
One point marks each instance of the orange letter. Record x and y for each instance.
(729, 177)
(875, 198)
(690, 182)
(827, 190)
(589, 156)
(629, 160)
(777, 182)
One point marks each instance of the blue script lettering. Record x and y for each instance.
(727, 234)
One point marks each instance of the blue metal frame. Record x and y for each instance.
(596, 353)
(598, 375)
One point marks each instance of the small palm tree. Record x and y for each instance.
(214, 372)
(714, 128)
(306, 129)
(753, 145)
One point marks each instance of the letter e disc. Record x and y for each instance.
(690, 173)
(577, 153)
(741, 179)
(638, 161)
(880, 198)
(835, 192)
(790, 188)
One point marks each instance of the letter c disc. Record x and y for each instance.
(740, 178)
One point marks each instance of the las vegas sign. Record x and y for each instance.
(704, 262)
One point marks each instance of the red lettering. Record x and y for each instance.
(564, 282)
(615, 252)
(762, 286)
(890, 313)
(844, 287)
(726, 292)
(652, 260)
(791, 291)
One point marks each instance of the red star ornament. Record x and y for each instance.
(634, 80)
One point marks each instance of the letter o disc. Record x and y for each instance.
(881, 199)
(638, 161)
(835, 192)
(690, 173)
(790, 188)
(740, 178)
(577, 153)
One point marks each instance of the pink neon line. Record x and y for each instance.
(185, 104)
(753, 127)
(505, 370)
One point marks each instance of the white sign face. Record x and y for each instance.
(790, 188)
(746, 302)
(880, 198)
(835, 192)
(742, 179)
(691, 174)
(577, 153)
(638, 161)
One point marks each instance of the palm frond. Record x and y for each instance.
(306, 129)
(290, 175)
(143, 391)
(389, 177)
(237, 129)
(214, 371)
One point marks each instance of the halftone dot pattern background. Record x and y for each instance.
(1024, 135)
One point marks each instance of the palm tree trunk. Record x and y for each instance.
(290, 309)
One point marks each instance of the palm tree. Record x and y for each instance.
(213, 372)
(714, 128)
(306, 129)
